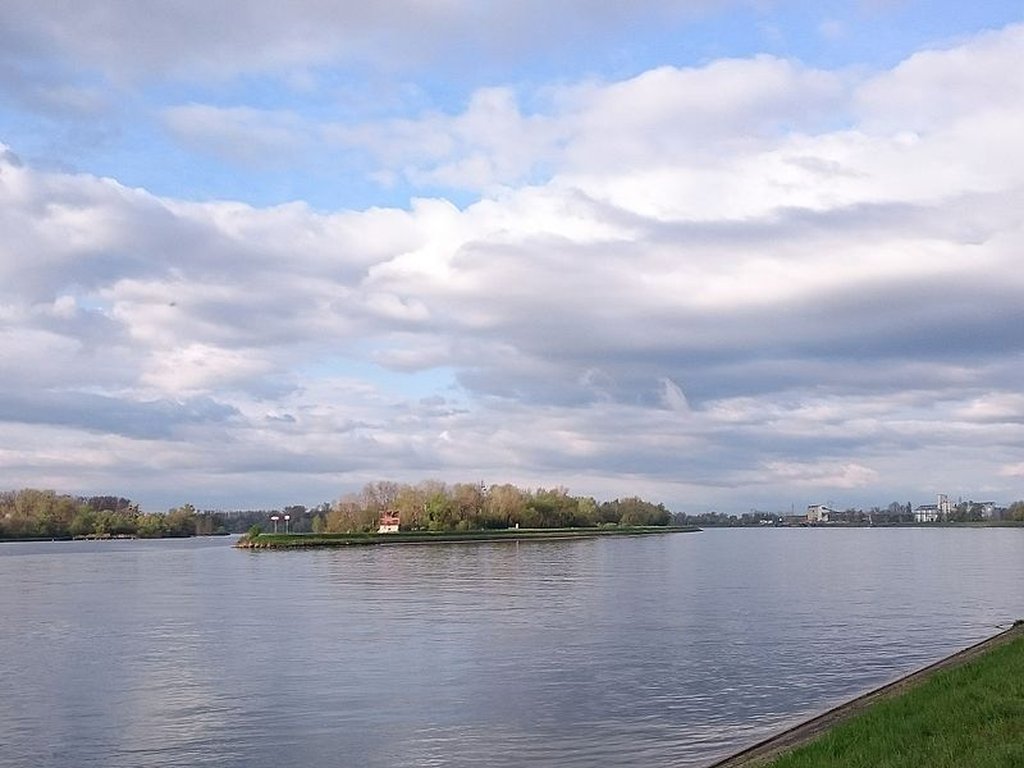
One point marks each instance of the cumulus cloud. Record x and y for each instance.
(661, 117)
(819, 475)
(933, 89)
(492, 143)
(712, 284)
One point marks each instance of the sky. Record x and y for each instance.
(722, 255)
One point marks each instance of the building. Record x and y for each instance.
(934, 513)
(389, 522)
(818, 513)
(945, 508)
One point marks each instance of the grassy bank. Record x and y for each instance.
(303, 540)
(968, 714)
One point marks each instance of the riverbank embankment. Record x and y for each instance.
(318, 540)
(966, 709)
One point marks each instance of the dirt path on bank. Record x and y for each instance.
(808, 730)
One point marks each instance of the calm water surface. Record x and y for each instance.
(657, 651)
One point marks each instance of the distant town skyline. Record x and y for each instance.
(722, 255)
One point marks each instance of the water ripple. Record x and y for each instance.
(657, 651)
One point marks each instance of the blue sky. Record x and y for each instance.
(725, 255)
(113, 120)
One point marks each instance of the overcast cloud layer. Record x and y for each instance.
(766, 268)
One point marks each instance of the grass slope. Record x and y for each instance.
(967, 717)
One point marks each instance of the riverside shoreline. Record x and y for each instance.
(322, 540)
(763, 752)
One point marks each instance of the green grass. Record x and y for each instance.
(966, 717)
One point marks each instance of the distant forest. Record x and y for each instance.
(41, 514)
(430, 505)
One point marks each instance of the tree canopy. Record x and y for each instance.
(430, 505)
(435, 506)
(42, 514)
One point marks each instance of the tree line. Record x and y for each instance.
(44, 514)
(895, 513)
(432, 505)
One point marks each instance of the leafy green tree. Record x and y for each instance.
(551, 508)
(586, 511)
(636, 511)
(411, 506)
(83, 523)
(150, 526)
(467, 503)
(349, 515)
(209, 523)
(120, 523)
(505, 504)
(181, 521)
(1016, 511)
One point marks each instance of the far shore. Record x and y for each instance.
(112, 537)
(310, 540)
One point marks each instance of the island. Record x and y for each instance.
(259, 540)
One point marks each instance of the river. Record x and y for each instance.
(648, 651)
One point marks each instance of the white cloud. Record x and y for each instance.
(673, 396)
(193, 367)
(995, 407)
(658, 119)
(490, 144)
(821, 475)
(840, 299)
(936, 88)
(734, 138)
